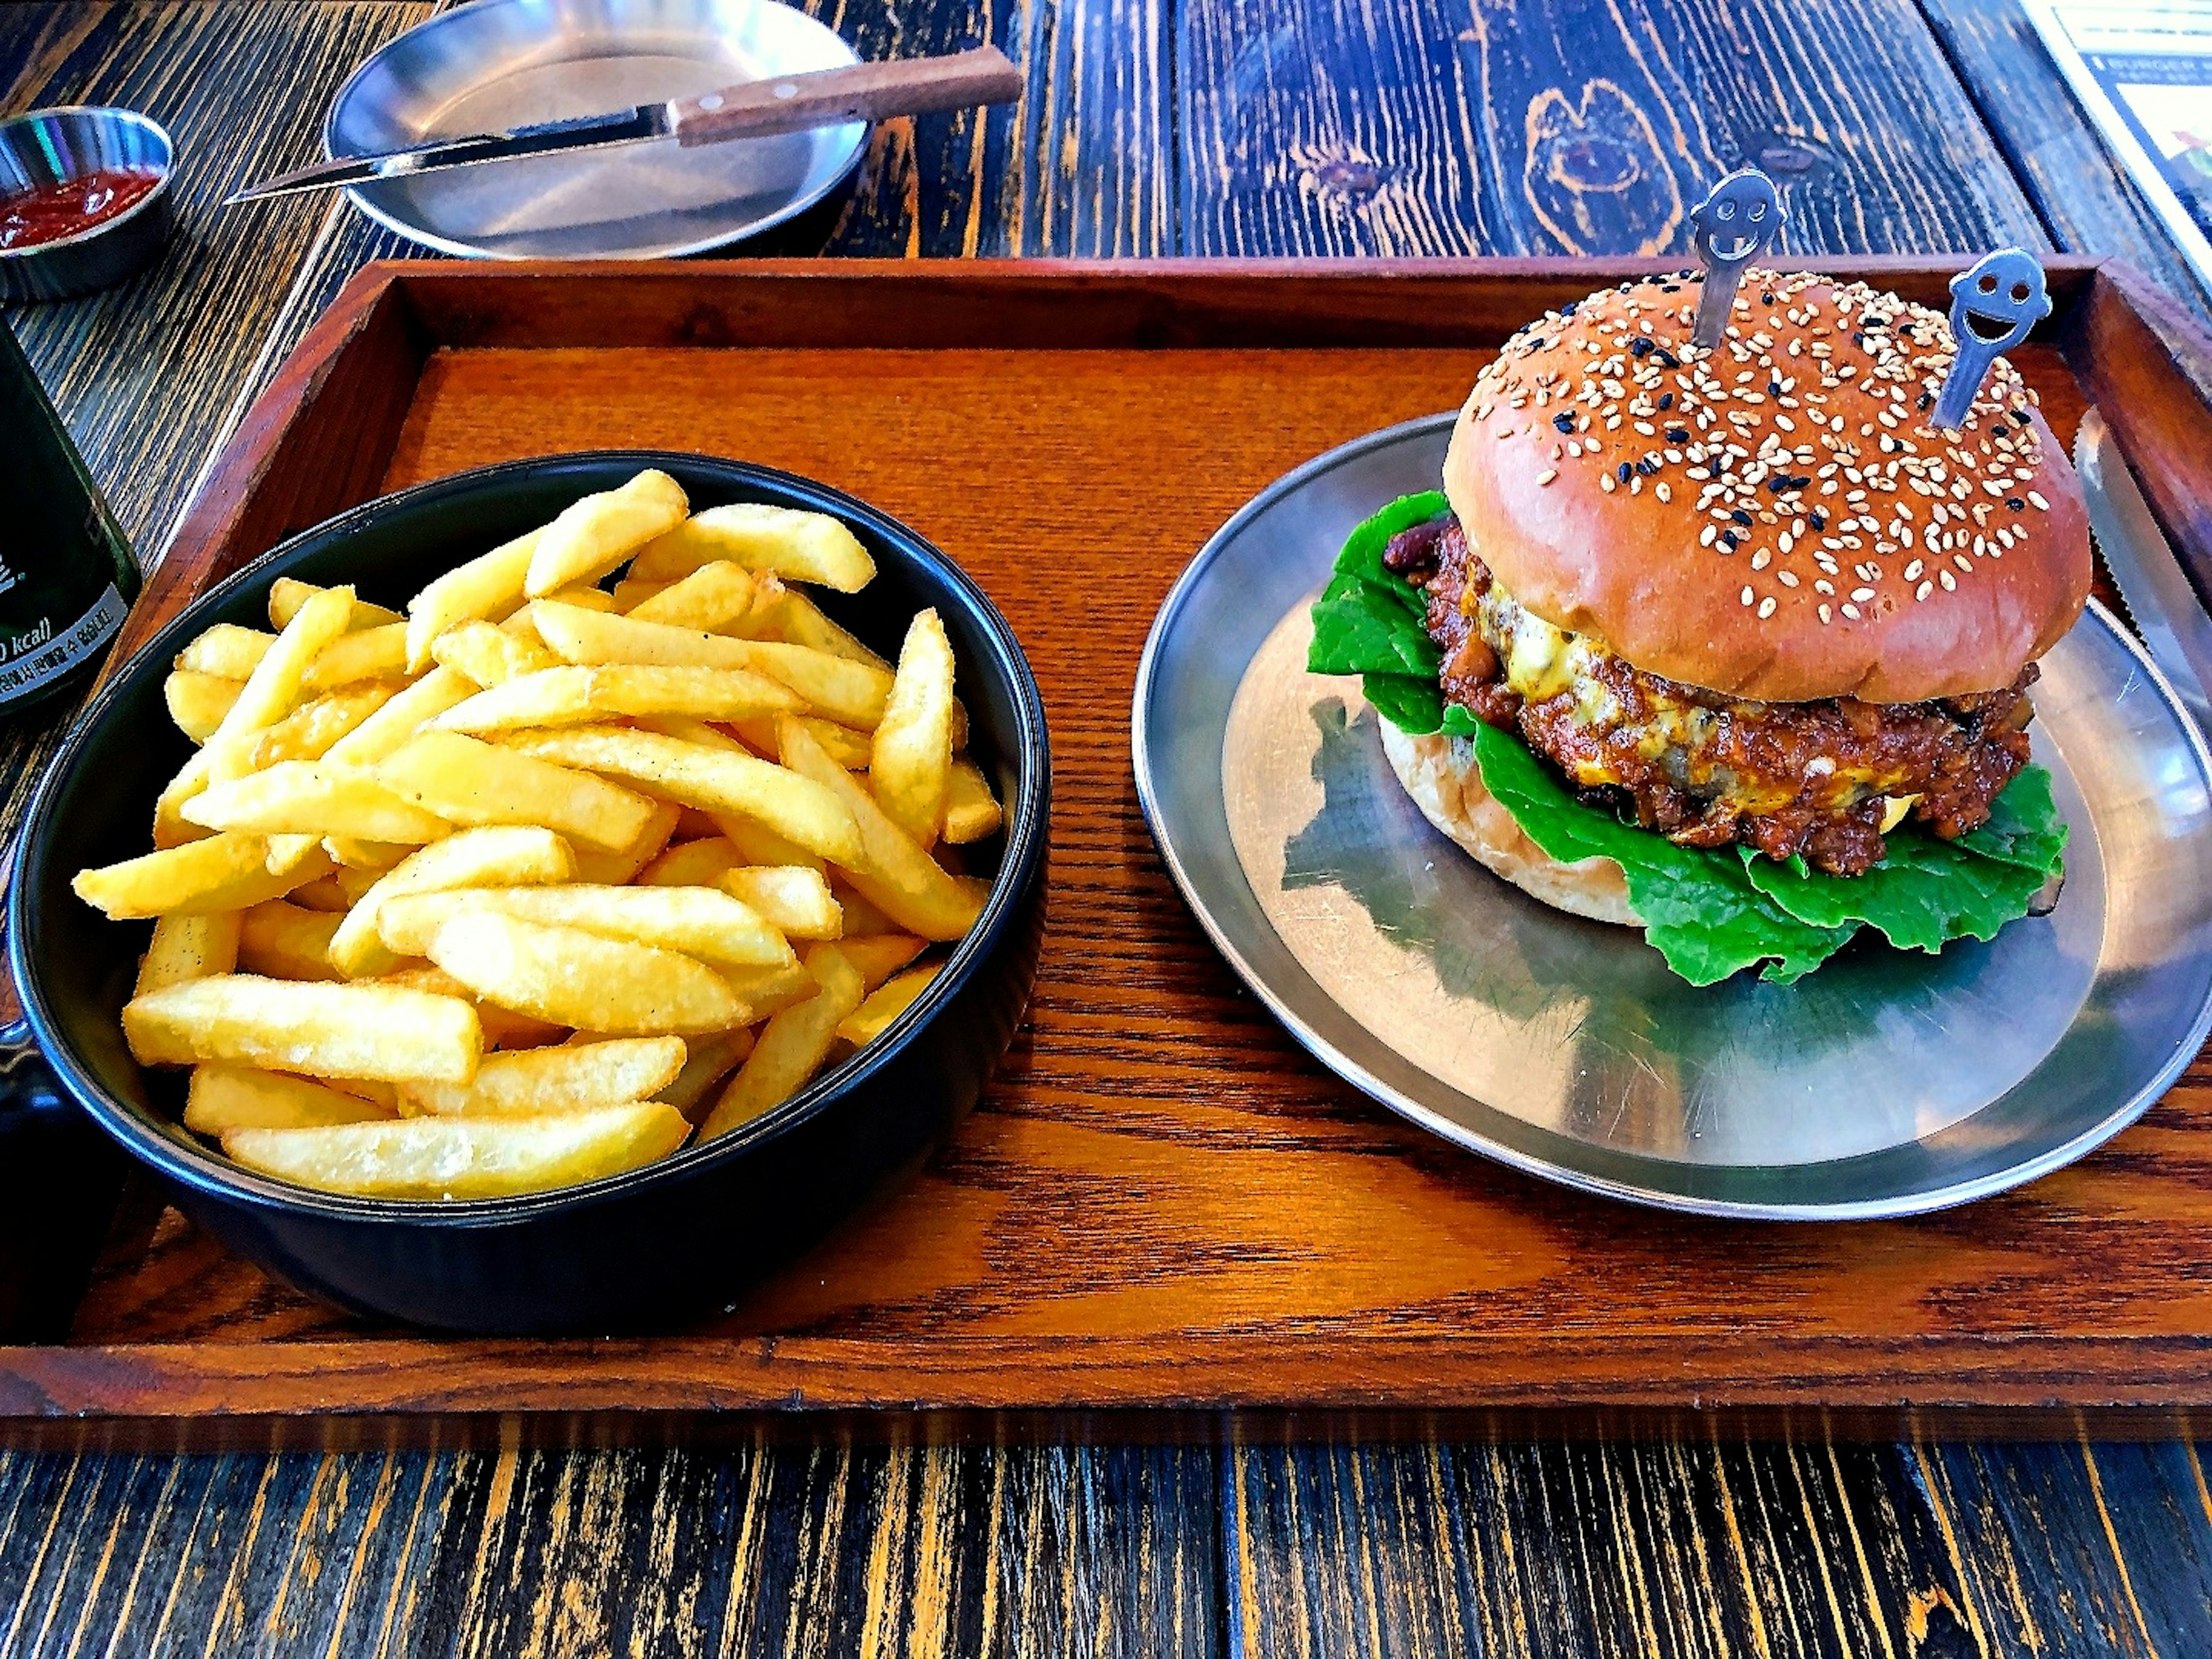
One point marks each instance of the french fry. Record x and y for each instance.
(170, 827)
(285, 941)
(629, 594)
(502, 1027)
(879, 955)
(382, 733)
(198, 701)
(325, 1030)
(892, 873)
(314, 798)
(848, 692)
(593, 536)
(273, 688)
(799, 621)
(491, 655)
(762, 845)
(913, 755)
(354, 854)
(866, 1023)
(789, 897)
(863, 919)
(710, 597)
(225, 1097)
(468, 782)
(370, 653)
(767, 990)
(569, 977)
(488, 586)
(590, 597)
(810, 547)
(327, 895)
(456, 1158)
(226, 652)
(615, 868)
(694, 774)
(971, 813)
(792, 1047)
(505, 855)
(287, 595)
(851, 750)
(188, 947)
(711, 1059)
(563, 1079)
(692, 864)
(574, 697)
(692, 824)
(198, 879)
(307, 732)
(699, 923)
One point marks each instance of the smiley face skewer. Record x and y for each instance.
(1993, 306)
(1734, 224)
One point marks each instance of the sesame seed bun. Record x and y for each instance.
(1440, 774)
(1659, 532)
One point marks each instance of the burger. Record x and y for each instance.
(1733, 645)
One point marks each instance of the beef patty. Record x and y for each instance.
(1822, 779)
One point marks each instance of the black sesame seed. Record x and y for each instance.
(1564, 423)
(1739, 516)
(1640, 347)
(1648, 466)
(2015, 504)
(1774, 388)
(1729, 540)
(1767, 298)
(1666, 400)
(1818, 520)
(1666, 359)
(1622, 471)
(1568, 309)
(1678, 435)
(1924, 400)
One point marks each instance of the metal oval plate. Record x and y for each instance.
(1888, 1084)
(501, 64)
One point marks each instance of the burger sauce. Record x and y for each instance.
(49, 213)
(66, 574)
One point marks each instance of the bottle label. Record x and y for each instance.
(29, 660)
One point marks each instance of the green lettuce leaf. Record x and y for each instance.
(1711, 912)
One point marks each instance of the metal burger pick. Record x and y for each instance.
(1734, 225)
(1993, 306)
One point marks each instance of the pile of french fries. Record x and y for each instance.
(532, 883)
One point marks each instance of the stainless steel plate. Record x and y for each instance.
(498, 64)
(1888, 1083)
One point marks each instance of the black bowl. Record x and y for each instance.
(634, 1250)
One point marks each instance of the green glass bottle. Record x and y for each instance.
(66, 575)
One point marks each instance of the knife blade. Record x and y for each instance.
(753, 109)
(2168, 615)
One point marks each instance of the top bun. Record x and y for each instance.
(1775, 519)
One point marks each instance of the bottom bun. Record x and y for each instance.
(1440, 774)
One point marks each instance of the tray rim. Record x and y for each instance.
(403, 1388)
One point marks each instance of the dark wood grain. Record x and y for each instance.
(1089, 164)
(1318, 126)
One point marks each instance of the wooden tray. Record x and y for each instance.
(1165, 1210)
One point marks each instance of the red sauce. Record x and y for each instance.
(51, 212)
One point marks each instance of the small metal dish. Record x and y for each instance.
(53, 146)
(502, 63)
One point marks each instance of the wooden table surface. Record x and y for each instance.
(1212, 126)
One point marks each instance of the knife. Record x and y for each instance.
(2168, 613)
(753, 109)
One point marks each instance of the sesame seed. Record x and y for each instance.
(1760, 559)
(1852, 612)
(2041, 505)
(1604, 480)
(1548, 475)
(1824, 614)
(1747, 595)
(1959, 560)
(1766, 607)
(1787, 578)
(1950, 582)
(1862, 594)
(1923, 590)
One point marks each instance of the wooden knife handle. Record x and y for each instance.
(860, 92)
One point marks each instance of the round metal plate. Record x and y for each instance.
(1886, 1083)
(501, 64)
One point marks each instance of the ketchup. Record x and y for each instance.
(48, 213)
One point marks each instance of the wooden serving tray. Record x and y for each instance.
(1165, 1210)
